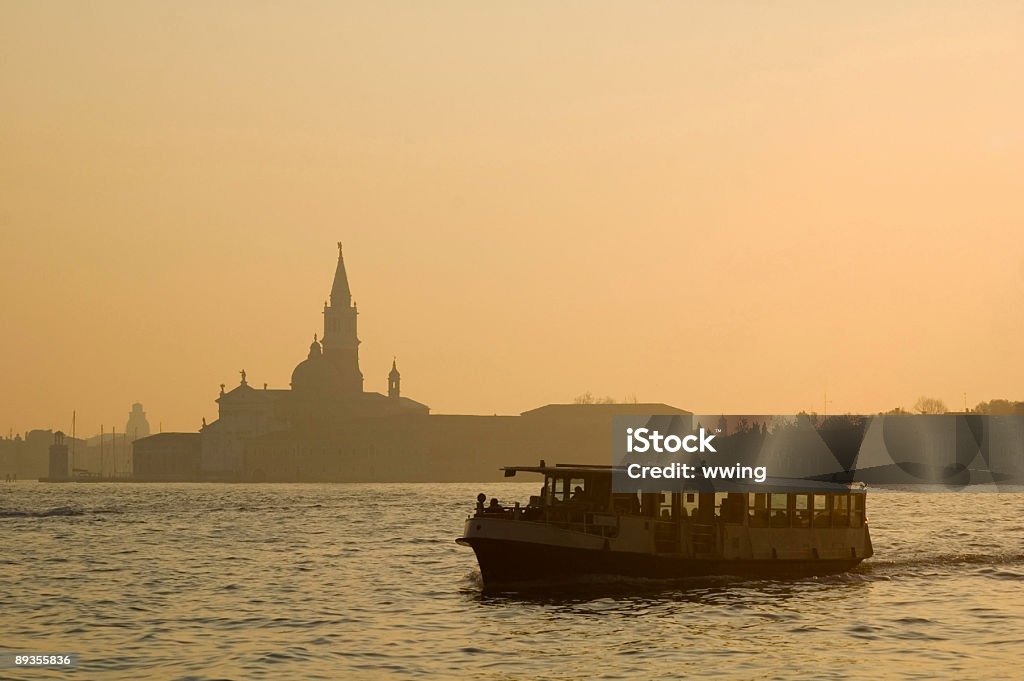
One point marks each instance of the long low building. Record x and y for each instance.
(439, 448)
(424, 448)
(167, 457)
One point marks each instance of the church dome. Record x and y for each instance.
(315, 350)
(312, 373)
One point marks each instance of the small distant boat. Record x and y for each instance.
(579, 526)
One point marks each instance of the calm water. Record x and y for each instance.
(364, 581)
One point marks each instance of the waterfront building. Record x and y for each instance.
(167, 456)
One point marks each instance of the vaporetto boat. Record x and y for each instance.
(577, 525)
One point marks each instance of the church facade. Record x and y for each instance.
(326, 427)
(326, 390)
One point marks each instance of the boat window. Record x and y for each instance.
(578, 490)
(665, 511)
(564, 489)
(821, 515)
(780, 510)
(857, 517)
(802, 510)
(720, 498)
(757, 509)
(841, 510)
(650, 503)
(733, 507)
(557, 489)
(547, 492)
(690, 504)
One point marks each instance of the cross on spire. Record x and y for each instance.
(341, 295)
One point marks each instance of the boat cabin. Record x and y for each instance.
(577, 523)
(797, 517)
(570, 493)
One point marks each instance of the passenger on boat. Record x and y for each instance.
(495, 507)
(733, 508)
(578, 494)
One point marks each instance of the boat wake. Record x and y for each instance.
(59, 511)
(912, 564)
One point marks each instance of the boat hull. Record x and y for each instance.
(504, 562)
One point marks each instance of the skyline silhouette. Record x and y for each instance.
(338, 375)
(823, 203)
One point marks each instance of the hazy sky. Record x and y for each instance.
(724, 206)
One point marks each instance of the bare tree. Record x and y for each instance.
(930, 405)
(589, 398)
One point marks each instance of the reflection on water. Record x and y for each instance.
(364, 581)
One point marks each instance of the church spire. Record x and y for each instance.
(340, 342)
(341, 296)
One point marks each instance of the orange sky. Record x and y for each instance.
(725, 206)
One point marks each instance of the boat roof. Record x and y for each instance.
(777, 485)
(564, 468)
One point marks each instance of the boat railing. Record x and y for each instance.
(703, 539)
(575, 516)
(666, 536)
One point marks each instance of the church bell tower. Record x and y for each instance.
(340, 342)
(394, 382)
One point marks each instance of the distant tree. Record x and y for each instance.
(844, 421)
(930, 405)
(895, 411)
(805, 420)
(589, 398)
(1000, 408)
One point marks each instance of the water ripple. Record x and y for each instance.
(364, 581)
